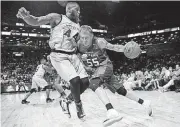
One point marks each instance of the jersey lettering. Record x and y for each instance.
(93, 62)
(68, 33)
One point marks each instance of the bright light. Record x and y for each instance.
(154, 32)
(5, 33)
(160, 31)
(45, 26)
(32, 35)
(19, 24)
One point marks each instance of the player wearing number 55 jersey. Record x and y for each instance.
(96, 61)
(64, 29)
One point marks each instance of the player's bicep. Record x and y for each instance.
(48, 19)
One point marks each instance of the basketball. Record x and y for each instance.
(132, 50)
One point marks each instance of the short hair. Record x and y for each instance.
(71, 5)
(43, 59)
(86, 28)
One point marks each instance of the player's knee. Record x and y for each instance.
(122, 91)
(95, 83)
(32, 90)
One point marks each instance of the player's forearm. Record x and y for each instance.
(32, 20)
(116, 48)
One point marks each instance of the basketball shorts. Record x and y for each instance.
(38, 82)
(105, 73)
(68, 66)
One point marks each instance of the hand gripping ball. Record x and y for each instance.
(132, 50)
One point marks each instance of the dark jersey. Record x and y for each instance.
(94, 56)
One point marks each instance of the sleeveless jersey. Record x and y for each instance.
(60, 34)
(40, 71)
(95, 56)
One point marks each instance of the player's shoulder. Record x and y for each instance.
(101, 42)
(54, 15)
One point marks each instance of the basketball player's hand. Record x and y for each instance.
(22, 13)
(84, 57)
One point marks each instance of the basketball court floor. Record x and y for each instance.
(166, 111)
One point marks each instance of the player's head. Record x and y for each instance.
(177, 67)
(163, 68)
(43, 61)
(170, 68)
(86, 35)
(48, 58)
(73, 11)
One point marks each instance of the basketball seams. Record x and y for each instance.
(132, 50)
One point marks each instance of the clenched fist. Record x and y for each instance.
(22, 13)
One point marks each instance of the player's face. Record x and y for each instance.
(86, 38)
(177, 67)
(43, 61)
(170, 68)
(73, 13)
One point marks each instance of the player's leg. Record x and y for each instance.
(58, 87)
(33, 89)
(122, 91)
(20, 85)
(84, 80)
(79, 67)
(41, 82)
(170, 83)
(112, 115)
(149, 84)
(102, 76)
(83, 86)
(67, 71)
(24, 87)
(48, 99)
(95, 85)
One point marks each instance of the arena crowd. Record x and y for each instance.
(143, 73)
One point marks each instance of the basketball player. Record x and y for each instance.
(56, 79)
(96, 61)
(20, 81)
(38, 81)
(64, 30)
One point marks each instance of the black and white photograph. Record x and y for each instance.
(90, 63)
